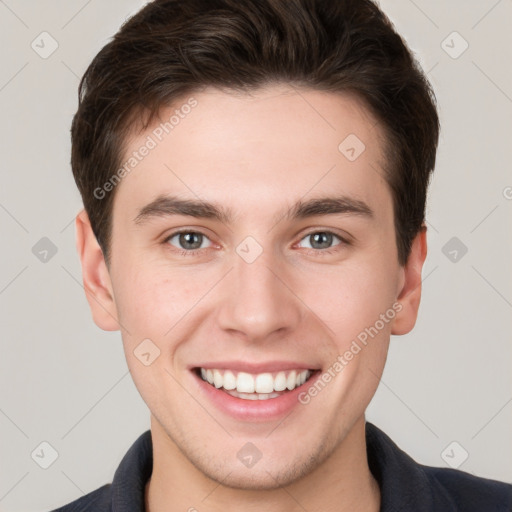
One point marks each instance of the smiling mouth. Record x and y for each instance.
(261, 386)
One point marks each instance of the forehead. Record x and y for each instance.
(253, 151)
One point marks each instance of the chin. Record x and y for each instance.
(262, 479)
(265, 475)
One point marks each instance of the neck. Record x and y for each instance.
(341, 483)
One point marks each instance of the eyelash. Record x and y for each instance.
(193, 252)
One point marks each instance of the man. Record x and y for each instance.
(254, 176)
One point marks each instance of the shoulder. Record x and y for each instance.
(126, 492)
(471, 493)
(97, 501)
(408, 485)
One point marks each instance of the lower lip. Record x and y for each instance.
(254, 410)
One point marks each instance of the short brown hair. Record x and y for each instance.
(171, 48)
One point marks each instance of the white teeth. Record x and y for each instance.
(253, 387)
(264, 383)
(217, 379)
(245, 383)
(280, 381)
(229, 381)
(291, 381)
(253, 396)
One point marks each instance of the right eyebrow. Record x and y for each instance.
(164, 206)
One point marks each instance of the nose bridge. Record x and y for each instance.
(257, 302)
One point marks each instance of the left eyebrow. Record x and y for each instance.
(166, 206)
(329, 206)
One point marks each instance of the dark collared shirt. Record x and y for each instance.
(405, 485)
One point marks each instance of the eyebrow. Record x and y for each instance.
(166, 206)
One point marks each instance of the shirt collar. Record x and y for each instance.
(404, 485)
(130, 478)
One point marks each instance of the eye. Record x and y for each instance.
(322, 240)
(187, 241)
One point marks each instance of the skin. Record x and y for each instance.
(256, 154)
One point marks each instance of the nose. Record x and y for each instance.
(258, 300)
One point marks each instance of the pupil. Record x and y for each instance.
(317, 237)
(188, 238)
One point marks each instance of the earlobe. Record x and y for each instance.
(95, 275)
(410, 293)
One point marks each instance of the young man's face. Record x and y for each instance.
(265, 292)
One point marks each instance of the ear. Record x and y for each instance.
(410, 291)
(95, 275)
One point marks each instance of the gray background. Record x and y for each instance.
(64, 381)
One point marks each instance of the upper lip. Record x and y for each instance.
(255, 368)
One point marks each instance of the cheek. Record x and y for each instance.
(151, 301)
(153, 307)
(352, 297)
